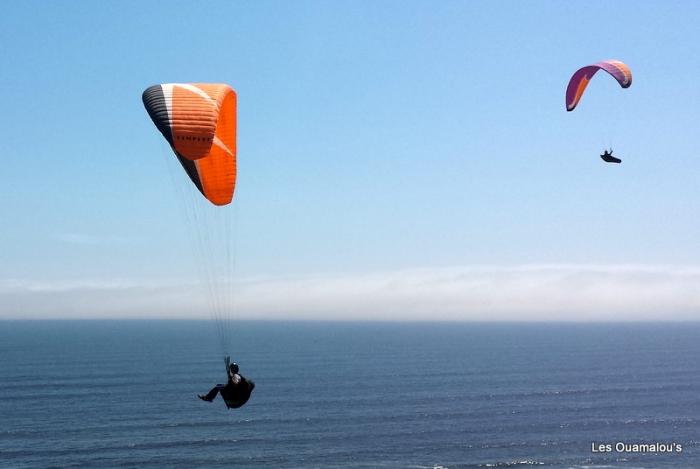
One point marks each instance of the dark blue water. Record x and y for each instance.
(88, 394)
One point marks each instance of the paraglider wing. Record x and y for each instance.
(579, 80)
(199, 122)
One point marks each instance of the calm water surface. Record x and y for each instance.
(123, 393)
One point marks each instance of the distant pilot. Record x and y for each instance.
(608, 157)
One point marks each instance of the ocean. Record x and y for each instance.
(351, 394)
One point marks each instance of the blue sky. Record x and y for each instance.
(384, 148)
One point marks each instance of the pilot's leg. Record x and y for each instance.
(212, 394)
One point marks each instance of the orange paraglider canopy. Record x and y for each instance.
(199, 122)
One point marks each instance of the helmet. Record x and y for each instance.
(233, 367)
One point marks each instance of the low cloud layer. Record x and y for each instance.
(474, 293)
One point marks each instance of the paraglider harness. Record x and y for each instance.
(608, 157)
(235, 395)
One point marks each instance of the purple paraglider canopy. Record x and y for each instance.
(579, 81)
